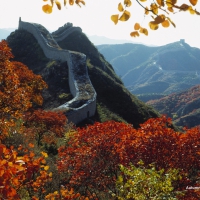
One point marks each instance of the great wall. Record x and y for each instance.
(83, 105)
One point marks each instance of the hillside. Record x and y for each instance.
(155, 70)
(183, 107)
(114, 101)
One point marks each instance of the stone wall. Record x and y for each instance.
(83, 105)
(49, 51)
(60, 36)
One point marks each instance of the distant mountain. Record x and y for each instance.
(4, 33)
(182, 107)
(114, 101)
(154, 70)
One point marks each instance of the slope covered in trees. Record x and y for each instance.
(183, 107)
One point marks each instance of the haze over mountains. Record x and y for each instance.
(163, 70)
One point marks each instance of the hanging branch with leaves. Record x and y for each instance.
(160, 11)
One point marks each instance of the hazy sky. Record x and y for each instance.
(94, 19)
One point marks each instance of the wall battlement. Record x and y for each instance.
(83, 105)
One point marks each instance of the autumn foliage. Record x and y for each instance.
(21, 173)
(93, 155)
(46, 126)
(19, 88)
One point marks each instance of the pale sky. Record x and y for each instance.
(94, 19)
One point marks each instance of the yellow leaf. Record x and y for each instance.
(193, 2)
(46, 168)
(144, 31)
(47, 9)
(20, 168)
(170, 3)
(65, 2)
(170, 9)
(153, 25)
(127, 3)
(143, 0)
(83, 2)
(159, 19)
(165, 23)
(125, 16)
(146, 11)
(50, 174)
(58, 5)
(120, 7)
(71, 2)
(134, 34)
(79, 1)
(114, 18)
(154, 8)
(160, 2)
(191, 10)
(137, 26)
(44, 154)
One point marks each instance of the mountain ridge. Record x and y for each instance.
(175, 65)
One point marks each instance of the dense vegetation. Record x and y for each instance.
(183, 107)
(44, 157)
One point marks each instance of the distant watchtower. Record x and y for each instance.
(182, 40)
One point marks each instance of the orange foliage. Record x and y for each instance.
(94, 153)
(65, 194)
(46, 125)
(19, 87)
(17, 172)
(11, 176)
(48, 120)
